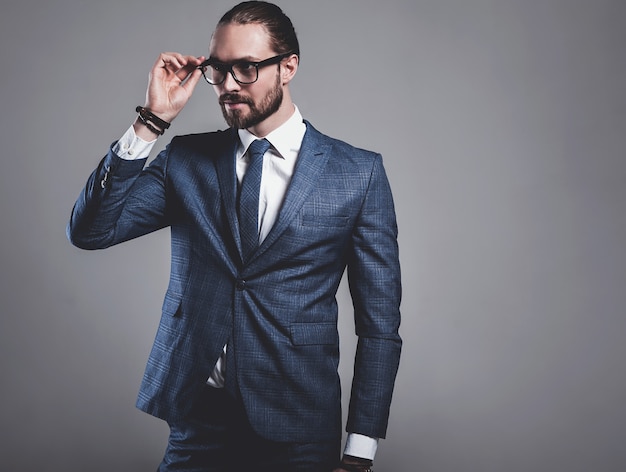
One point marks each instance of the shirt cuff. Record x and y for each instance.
(131, 147)
(361, 446)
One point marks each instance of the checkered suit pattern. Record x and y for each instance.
(276, 309)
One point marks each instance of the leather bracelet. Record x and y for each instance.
(147, 115)
(356, 468)
(359, 465)
(145, 122)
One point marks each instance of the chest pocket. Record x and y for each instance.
(321, 220)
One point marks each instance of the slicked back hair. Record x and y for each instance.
(282, 34)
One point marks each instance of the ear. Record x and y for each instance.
(288, 68)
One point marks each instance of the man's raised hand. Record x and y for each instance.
(171, 83)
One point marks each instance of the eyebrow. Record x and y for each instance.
(241, 59)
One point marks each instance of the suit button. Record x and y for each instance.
(241, 284)
(103, 182)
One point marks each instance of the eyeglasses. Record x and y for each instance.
(244, 72)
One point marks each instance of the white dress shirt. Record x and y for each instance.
(278, 165)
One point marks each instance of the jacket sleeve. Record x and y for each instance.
(120, 201)
(374, 279)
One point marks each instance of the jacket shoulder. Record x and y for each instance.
(338, 145)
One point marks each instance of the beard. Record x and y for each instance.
(257, 112)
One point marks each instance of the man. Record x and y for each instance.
(264, 218)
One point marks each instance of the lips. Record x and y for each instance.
(232, 100)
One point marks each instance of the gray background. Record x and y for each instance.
(502, 124)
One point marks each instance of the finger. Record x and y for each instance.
(171, 61)
(195, 61)
(190, 66)
(164, 59)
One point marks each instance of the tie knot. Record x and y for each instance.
(257, 148)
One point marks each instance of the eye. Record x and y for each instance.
(245, 66)
(216, 66)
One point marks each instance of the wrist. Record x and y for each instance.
(149, 125)
(355, 464)
(151, 121)
(142, 131)
(163, 115)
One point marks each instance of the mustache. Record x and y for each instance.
(234, 98)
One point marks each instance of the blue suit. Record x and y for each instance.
(277, 311)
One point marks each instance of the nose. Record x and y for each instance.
(230, 84)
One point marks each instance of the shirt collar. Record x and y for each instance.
(285, 139)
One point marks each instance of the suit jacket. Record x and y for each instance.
(277, 310)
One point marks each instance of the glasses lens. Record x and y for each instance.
(245, 72)
(215, 74)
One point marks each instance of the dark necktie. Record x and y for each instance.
(248, 210)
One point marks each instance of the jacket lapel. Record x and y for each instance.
(312, 159)
(227, 176)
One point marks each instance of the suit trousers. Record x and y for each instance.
(217, 437)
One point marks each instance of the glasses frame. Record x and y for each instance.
(228, 67)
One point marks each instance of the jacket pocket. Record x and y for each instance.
(324, 221)
(303, 334)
